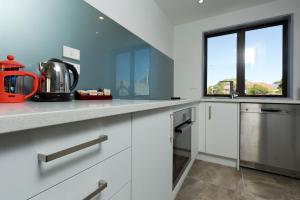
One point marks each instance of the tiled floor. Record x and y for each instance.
(208, 181)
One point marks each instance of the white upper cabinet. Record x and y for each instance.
(222, 121)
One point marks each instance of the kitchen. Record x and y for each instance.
(86, 109)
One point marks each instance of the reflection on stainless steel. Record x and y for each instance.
(55, 77)
(55, 81)
(181, 143)
(270, 138)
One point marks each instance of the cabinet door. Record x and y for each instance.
(195, 132)
(201, 125)
(151, 156)
(222, 129)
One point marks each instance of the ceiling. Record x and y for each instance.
(183, 11)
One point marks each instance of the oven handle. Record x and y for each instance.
(181, 128)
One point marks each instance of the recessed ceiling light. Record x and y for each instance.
(101, 18)
(200, 1)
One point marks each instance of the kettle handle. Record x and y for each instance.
(34, 86)
(75, 75)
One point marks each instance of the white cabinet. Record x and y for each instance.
(115, 172)
(201, 127)
(221, 132)
(195, 132)
(19, 163)
(151, 156)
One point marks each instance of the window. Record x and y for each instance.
(253, 58)
(123, 74)
(132, 73)
(221, 62)
(141, 72)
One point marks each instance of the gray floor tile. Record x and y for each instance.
(225, 177)
(207, 181)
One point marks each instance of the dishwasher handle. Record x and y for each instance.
(271, 110)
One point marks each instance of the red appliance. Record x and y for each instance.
(12, 81)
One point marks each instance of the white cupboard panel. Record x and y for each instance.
(195, 132)
(151, 156)
(201, 125)
(19, 163)
(222, 129)
(116, 171)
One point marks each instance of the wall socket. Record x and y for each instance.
(71, 53)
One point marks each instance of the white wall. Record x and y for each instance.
(188, 51)
(142, 17)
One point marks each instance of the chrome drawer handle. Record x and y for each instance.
(101, 186)
(62, 153)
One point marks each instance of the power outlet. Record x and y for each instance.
(77, 66)
(71, 53)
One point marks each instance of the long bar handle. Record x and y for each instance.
(271, 110)
(101, 186)
(209, 113)
(62, 153)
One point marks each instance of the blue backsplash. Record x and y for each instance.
(111, 56)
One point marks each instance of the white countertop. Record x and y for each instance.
(22, 116)
(252, 100)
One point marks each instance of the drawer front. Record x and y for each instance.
(115, 171)
(124, 194)
(19, 151)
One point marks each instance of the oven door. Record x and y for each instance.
(181, 150)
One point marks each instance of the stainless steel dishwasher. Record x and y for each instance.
(270, 138)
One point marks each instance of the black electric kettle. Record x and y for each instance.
(55, 80)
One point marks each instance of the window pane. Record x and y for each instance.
(263, 61)
(123, 74)
(141, 72)
(221, 63)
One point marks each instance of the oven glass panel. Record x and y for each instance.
(181, 152)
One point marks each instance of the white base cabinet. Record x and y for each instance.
(201, 124)
(21, 170)
(136, 160)
(151, 156)
(221, 129)
(116, 172)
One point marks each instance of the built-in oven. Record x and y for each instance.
(182, 142)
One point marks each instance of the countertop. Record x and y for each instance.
(252, 100)
(23, 116)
